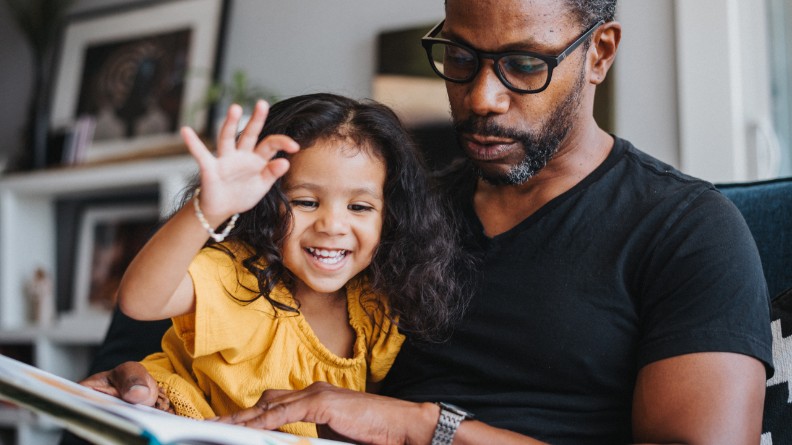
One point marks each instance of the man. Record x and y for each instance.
(619, 301)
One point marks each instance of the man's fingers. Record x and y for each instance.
(101, 382)
(134, 383)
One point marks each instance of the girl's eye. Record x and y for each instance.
(360, 208)
(304, 203)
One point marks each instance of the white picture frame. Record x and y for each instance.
(107, 240)
(96, 70)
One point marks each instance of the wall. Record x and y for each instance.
(645, 80)
(288, 47)
(315, 45)
(15, 83)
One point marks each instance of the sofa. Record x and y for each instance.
(767, 209)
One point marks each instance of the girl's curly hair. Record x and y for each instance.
(418, 264)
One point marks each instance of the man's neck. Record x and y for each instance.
(501, 207)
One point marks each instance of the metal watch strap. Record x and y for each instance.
(447, 426)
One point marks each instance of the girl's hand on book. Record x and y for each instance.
(243, 170)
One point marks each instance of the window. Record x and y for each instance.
(780, 21)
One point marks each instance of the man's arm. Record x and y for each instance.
(700, 398)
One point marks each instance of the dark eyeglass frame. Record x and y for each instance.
(552, 61)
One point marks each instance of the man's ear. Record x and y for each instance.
(602, 52)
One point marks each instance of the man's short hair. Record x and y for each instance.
(589, 12)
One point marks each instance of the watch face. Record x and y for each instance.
(455, 409)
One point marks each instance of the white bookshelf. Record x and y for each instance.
(28, 229)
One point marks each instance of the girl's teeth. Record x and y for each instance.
(327, 256)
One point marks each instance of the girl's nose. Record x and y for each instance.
(332, 220)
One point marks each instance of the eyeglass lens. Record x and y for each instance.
(457, 63)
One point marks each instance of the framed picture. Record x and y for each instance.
(139, 73)
(109, 237)
(405, 81)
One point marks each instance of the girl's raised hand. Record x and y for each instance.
(243, 171)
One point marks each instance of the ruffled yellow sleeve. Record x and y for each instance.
(222, 319)
(175, 379)
(371, 316)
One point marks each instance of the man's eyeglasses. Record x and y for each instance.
(520, 71)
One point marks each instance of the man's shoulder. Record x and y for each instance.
(645, 185)
(659, 178)
(653, 167)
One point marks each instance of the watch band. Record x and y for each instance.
(448, 423)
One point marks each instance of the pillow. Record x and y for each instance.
(777, 420)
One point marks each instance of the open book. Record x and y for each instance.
(103, 419)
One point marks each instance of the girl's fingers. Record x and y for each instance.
(271, 145)
(196, 146)
(226, 139)
(249, 136)
(275, 169)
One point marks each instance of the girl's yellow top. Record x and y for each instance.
(221, 358)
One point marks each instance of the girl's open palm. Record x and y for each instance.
(243, 171)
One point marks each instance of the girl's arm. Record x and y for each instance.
(156, 284)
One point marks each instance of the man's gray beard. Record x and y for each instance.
(539, 147)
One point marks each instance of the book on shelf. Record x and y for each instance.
(103, 419)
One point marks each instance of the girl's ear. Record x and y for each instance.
(603, 49)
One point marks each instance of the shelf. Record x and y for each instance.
(93, 177)
(32, 222)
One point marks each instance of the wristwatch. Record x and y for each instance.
(450, 418)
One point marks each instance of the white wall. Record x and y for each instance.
(645, 78)
(305, 46)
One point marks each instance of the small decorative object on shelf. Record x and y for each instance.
(40, 298)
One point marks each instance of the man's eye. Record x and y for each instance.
(523, 65)
(459, 57)
(360, 208)
(304, 204)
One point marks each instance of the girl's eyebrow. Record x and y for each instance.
(351, 191)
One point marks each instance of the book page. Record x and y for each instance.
(104, 419)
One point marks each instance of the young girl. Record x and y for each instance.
(276, 274)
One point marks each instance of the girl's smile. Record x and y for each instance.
(328, 257)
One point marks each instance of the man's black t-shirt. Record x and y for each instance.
(636, 263)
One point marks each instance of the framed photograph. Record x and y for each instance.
(405, 81)
(109, 237)
(139, 73)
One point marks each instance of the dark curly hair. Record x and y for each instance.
(418, 264)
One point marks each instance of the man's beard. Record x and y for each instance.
(539, 147)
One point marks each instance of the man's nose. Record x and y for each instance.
(487, 94)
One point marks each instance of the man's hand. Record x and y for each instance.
(357, 416)
(128, 381)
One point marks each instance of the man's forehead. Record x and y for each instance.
(504, 22)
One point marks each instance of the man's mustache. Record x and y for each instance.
(484, 126)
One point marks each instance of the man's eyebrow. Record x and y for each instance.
(527, 45)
